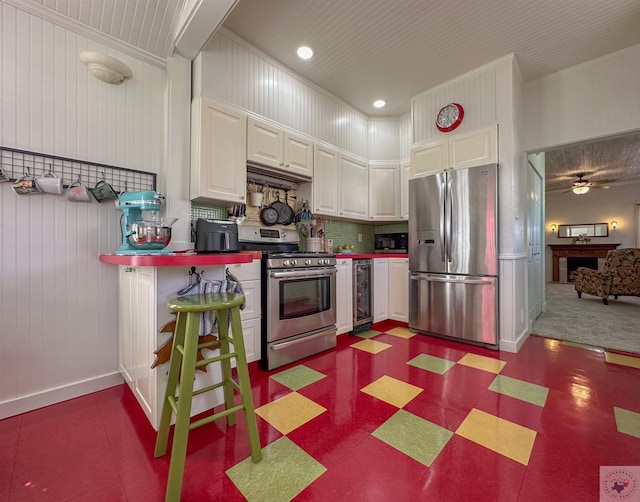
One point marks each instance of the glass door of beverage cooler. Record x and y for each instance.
(362, 294)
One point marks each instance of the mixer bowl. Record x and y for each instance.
(149, 235)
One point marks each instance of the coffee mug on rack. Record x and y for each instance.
(50, 183)
(77, 192)
(26, 185)
(103, 192)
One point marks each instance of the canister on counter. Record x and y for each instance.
(328, 245)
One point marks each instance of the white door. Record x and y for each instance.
(534, 235)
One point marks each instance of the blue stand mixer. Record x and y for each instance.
(140, 236)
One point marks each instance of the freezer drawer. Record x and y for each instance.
(462, 307)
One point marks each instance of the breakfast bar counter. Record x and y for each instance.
(179, 259)
(146, 282)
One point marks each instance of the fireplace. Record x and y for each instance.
(562, 253)
(573, 262)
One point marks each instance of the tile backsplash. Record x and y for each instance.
(341, 232)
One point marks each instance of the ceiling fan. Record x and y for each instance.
(581, 186)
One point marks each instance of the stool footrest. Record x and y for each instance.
(209, 360)
(215, 416)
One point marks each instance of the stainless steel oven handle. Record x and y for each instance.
(304, 273)
(305, 339)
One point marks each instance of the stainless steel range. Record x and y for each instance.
(298, 296)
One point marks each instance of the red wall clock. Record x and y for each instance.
(449, 117)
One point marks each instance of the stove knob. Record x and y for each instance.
(307, 262)
(294, 262)
(285, 263)
(321, 261)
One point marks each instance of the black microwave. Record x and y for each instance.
(391, 243)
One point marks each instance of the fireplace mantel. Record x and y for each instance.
(577, 251)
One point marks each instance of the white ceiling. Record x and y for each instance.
(371, 49)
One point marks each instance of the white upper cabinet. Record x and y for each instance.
(325, 183)
(384, 191)
(427, 158)
(353, 192)
(272, 146)
(474, 148)
(218, 153)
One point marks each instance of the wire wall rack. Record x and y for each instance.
(16, 164)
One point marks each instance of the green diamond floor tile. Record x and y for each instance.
(370, 333)
(431, 363)
(285, 470)
(297, 377)
(418, 438)
(519, 389)
(627, 422)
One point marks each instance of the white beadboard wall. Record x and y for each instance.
(475, 91)
(384, 139)
(58, 303)
(590, 100)
(229, 69)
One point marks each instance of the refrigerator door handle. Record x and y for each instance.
(443, 241)
(449, 217)
(430, 278)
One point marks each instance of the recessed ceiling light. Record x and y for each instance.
(305, 52)
(379, 103)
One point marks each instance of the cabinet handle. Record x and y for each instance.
(129, 269)
(286, 165)
(242, 197)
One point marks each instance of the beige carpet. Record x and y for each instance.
(587, 320)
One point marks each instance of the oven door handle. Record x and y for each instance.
(284, 345)
(303, 274)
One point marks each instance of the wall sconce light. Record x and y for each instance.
(553, 227)
(614, 224)
(106, 68)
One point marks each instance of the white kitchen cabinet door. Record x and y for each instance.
(405, 176)
(353, 188)
(325, 181)
(144, 378)
(272, 146)
(428, 158)
(218, 153)
(126, 321)
(249, 276)
(344, 296)
(264, 143)
(298, 154)
(474, 148)
(380, 289)
(384, 192)
(399, 289)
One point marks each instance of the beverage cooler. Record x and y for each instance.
(362, 294)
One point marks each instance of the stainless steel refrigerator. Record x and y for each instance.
(453, 255)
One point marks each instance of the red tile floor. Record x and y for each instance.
(384, 416)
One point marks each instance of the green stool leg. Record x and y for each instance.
(245, 385)
(181, 431)
(223, 333)
(172, 382)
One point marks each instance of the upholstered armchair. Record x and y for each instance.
(619, 276)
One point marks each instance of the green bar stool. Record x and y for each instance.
(183, 364)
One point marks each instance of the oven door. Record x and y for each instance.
(299, 301)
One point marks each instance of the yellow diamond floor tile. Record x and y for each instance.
(401, 332)
(502, 436)
(371, 346)
(632, 362)
(482, 363)
(289, 412)
(392, 391)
